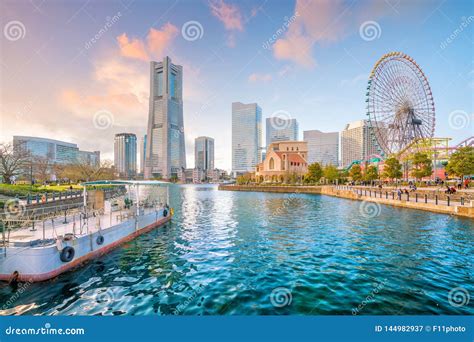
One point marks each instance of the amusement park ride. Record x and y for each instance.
(401, 114)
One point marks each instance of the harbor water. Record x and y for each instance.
(244, 253)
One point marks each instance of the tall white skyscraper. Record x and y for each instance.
(246, 137)
(165, 148)
(204, 153)
(279, 129)
(323, 148)
(357, 142)
(125, 154)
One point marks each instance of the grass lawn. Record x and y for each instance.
(25, 189)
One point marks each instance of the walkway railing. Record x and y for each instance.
(411, 196)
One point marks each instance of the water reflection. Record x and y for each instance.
(225, 252)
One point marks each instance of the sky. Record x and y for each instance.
(78, 70)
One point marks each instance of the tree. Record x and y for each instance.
(84, 171)
(244, 179)
(371, 173)
(356, 172)
(13, 161)
(330, 173)
(392, 169)
(461, 162)
(42, 168)
(315, 172)
(422, 165)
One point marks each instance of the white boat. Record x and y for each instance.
(39, 248)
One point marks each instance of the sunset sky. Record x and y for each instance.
(56, 82)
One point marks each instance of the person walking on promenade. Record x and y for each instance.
(466, 184)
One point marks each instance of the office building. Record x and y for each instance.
(142, 154)
(323, 148)
(58, 152)
(246, 137)
(125, 155)
(165, 146)
(278, 129)
(357, 142)
(204, 153)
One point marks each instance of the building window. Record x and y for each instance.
(272, 164)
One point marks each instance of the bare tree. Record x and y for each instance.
(82, 170)
(42, 168)
(13, 160)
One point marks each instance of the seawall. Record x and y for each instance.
(466, 210)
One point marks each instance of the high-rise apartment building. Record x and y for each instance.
(246, 137)
(204, 153)
(357, 142)
(165, 146)
(323, 148)
(125, 154)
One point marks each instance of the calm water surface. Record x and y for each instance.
(261, 254)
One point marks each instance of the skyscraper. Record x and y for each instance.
(142, 154)
(204, 153)
(246, 137)
(279, 129)
(356, 142)
(125, 154)
(165, 149)
(323, 148)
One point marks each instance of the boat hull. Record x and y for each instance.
(34, 264)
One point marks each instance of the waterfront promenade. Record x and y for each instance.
(461, 204)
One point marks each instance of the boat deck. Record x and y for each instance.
(74, 223)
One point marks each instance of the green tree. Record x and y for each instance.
(392, 168)
(371, 173)
(315, 172)
(330, 173)
(356, 172)
(461, 162)
(422, 165)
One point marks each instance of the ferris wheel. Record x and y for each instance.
(400, 103)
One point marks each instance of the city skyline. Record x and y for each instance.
(96, 88)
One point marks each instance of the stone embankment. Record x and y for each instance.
(461, 207)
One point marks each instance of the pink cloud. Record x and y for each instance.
(132, 48)
(322, 21)
(157, 41)
(228, 14)
(260, 77)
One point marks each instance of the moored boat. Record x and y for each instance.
(38, 244)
